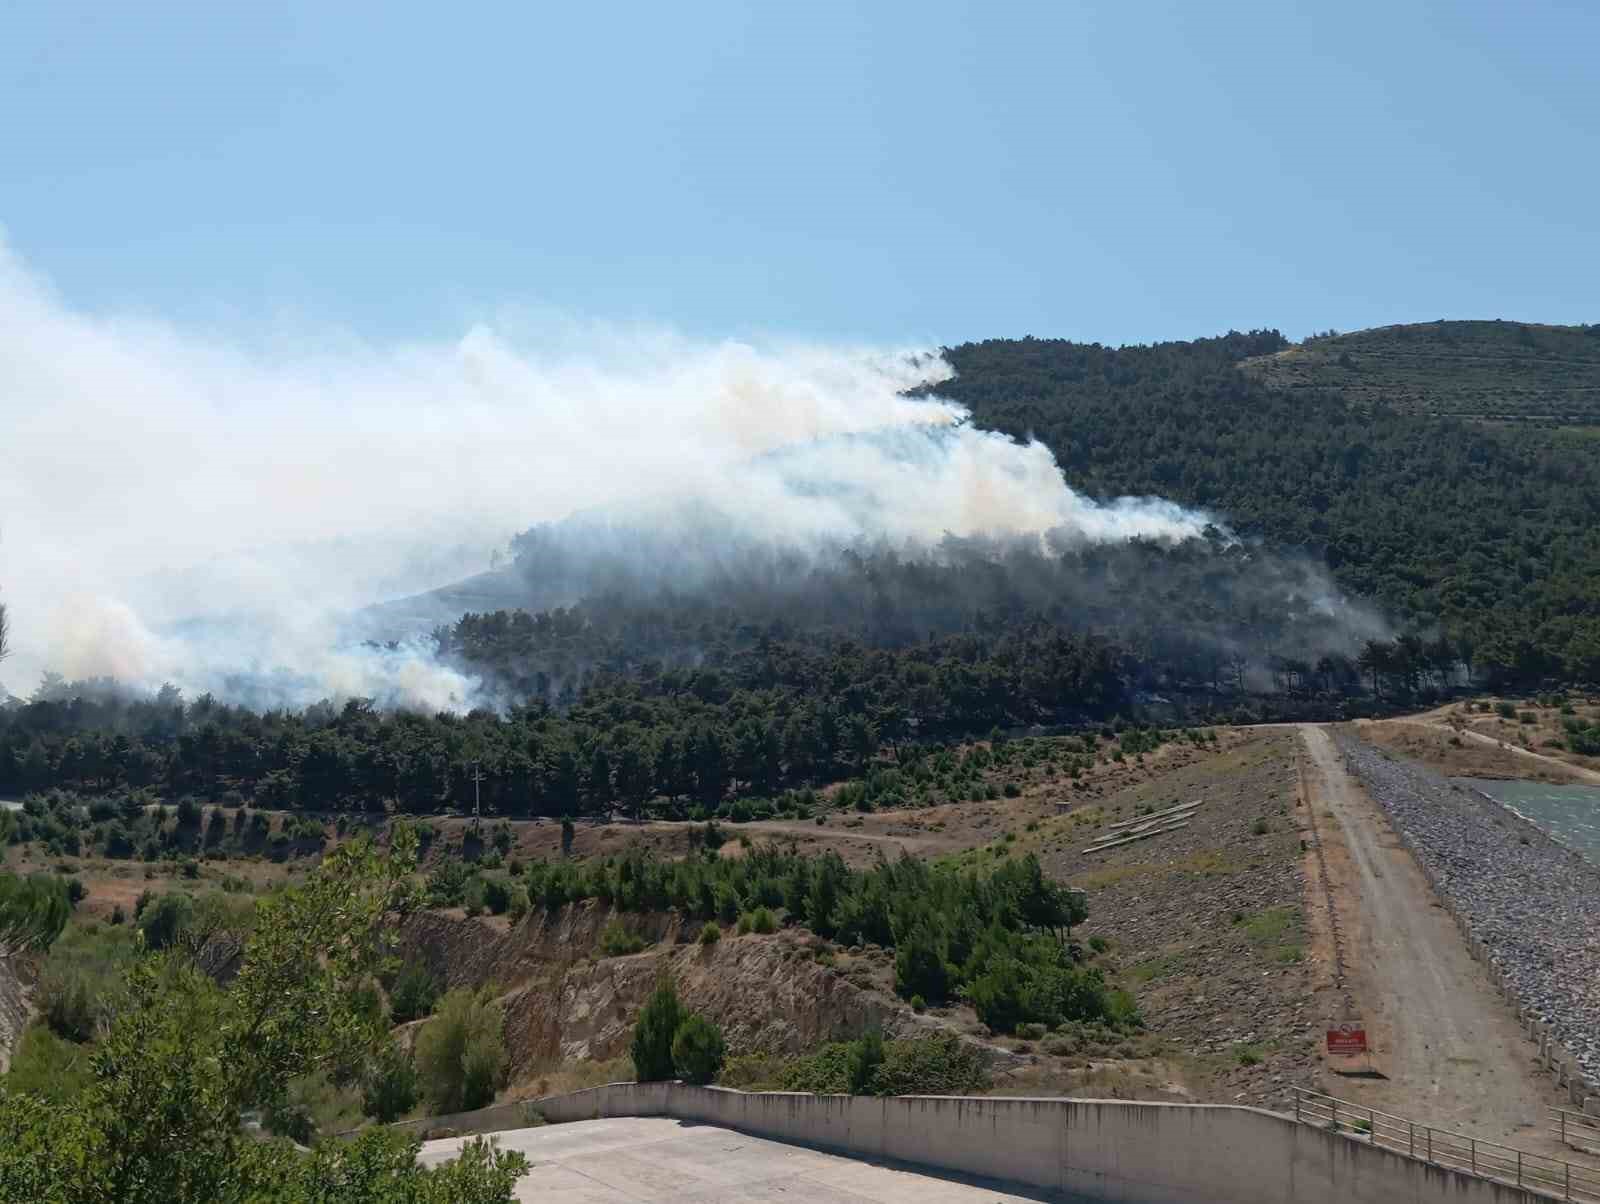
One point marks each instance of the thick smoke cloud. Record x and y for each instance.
(186, 508)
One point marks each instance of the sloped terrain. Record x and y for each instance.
(14, 1007)
(1502, 371)
(565, 1002)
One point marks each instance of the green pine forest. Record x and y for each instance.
(1467, 521)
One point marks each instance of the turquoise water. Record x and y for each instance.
(1569, 813)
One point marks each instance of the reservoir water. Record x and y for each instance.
(1569, 813)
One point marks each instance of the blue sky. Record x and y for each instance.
(872, 171)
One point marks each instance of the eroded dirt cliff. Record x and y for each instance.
(564, 1001)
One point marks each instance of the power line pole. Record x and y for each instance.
(477, 806)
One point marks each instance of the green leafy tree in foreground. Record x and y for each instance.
(185, 1057)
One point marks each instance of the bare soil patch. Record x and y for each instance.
(1474, 739)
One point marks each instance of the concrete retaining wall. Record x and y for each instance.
(1137, 1153)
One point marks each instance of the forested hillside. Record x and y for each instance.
(1466, 550)
(1488, 531)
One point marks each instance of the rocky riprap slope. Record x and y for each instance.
(1533, 902)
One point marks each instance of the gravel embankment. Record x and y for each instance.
(1534, 903)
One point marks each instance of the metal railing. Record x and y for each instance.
(1578, 1130)
(1486, 1159)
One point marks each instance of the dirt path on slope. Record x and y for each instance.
(1452, 1052)
(810, 833)
(1578, 772)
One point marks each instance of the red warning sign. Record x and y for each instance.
(1347, 1039)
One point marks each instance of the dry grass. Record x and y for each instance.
(569, 1076)
(1439, 739)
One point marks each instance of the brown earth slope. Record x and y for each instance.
(565, 1002)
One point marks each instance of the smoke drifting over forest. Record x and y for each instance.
(179, 507)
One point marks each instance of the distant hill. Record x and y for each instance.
(1500, 371)
(1488, 531)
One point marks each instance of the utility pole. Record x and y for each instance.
(477, 806)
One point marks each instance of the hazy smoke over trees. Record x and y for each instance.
(208, 511)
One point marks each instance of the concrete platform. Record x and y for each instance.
(658, 1158)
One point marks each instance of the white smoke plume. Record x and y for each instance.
(180, 507)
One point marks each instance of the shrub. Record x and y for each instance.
(67, 1005)
(1122, 1009)
(919, 1004)
(461, 1055)
(763, 921)
(33, 911)
(166, 919)
(1011, 991)
(518, 906)
(697, 1050)
(414, 992)
(710, 933)
(654, 1033)
(866, 1055)
(617, 941)
(447, 885)
(116, 842)
(941, 1065)
(389, 1086)
(496, 895)
(80, 984)
(919, 967)
(47, 1067)
(1012, 790)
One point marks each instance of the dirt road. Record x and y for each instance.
(1452, 1052)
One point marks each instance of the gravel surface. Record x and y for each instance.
(1534, 903)
(1178, 908)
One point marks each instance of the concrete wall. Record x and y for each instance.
(1137, 1153)
(16, 993)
